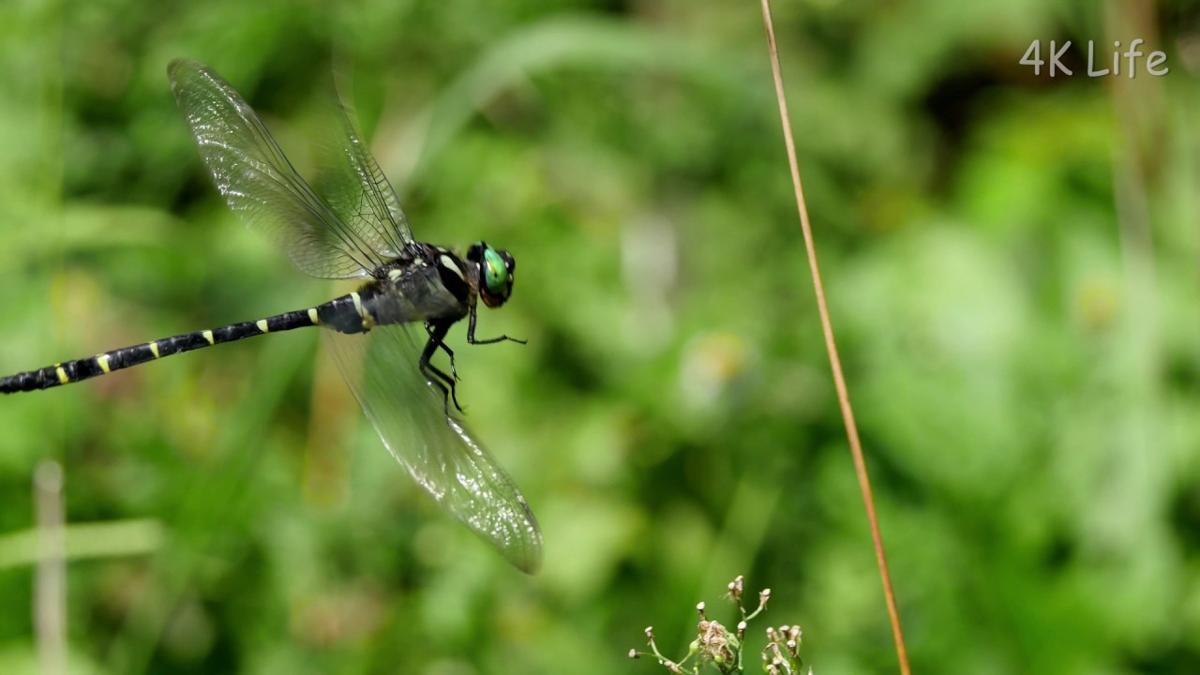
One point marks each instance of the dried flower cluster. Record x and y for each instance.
(781, 656)
(717, 645)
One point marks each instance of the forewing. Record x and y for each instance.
(259, 182)
(353, 184)
(438, 451)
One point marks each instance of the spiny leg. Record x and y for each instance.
(444, 384)
(429, 326)
(434, 375)
(471, 333)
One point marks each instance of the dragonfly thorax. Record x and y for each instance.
(431, 283)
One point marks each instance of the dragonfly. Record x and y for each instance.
(353, 228)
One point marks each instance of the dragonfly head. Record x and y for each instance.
(495, 268)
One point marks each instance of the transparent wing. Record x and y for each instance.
(353, 184)
(259, 182)
(438, 451)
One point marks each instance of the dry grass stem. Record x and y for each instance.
(860, 465)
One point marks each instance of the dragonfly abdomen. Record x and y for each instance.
(107, 362)
(346, 314)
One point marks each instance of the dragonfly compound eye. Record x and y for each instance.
(495, 273)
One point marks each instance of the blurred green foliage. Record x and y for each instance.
(1011, 262)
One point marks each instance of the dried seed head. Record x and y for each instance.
(715, 642)
(736, 588)
(763, 596)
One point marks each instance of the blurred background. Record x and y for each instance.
(1011, 263)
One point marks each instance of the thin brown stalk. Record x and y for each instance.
(50, 594)
(839, 382)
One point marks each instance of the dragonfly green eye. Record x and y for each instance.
(495, 272)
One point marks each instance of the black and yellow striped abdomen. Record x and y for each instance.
(345, 314)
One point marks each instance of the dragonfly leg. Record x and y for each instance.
(486, 341)
(446, 348)
(433, 374)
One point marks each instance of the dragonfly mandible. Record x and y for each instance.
(353, 228)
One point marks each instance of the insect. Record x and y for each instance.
(353, 228)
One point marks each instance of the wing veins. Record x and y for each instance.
(259, 181)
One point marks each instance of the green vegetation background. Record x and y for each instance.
(1012, 269)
